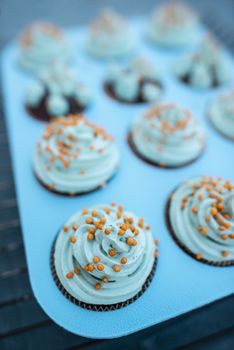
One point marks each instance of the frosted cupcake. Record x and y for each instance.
(207, 67)
(41, 45)
(200, 216)
(110, 36)
(139, 81)
(173, 25)
(167, 135)
(104, 258)
(56, 92)
(74, 156)
(221, 114)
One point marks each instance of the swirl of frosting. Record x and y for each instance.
(74, 156)
(110, 36)
(207, 67)
(201, 214)
(168, 135)
(58, 92)
(42, 44)
(173, 25)
(104, 255)
(139, 81)
(221, 113)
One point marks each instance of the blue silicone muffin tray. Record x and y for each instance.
(180, 283)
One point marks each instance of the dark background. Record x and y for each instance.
(23, 325)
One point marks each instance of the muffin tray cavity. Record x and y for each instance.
(180, 283)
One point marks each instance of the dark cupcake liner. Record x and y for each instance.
(40, 112)
(108, 88)
(93, 307)
(184, 247)
(74, 194)
(158, 165)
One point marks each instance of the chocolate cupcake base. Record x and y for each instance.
(184, 247)
(93, 307)
(74, 194)
(40, 112)
(158, 165)
(108, 88)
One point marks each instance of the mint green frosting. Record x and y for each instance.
(207, 67)
(221, 113)
(139, 78)
(193, 223)
(42, 44)
(167, 134)
(173, 25)
(74, 156)
(59, 83)
(119, 286)
(110, 36)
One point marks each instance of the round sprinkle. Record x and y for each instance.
(131, 241)
(96, 259)
(103, 220)
(225, 253)
(65, 228)
(90, 237)
(74, 227)
(94, 213)
(199, 256)
(121, 232)
(100, 267)
(123, 260)
(107, 210)
(112, 252)
(203, 229)
(73, 239)
(70, 275)
(113, 204)
(105, 279)
(124, 227)
(85, 211)
(116, 268)
(107, 231)
(231, 235)
(77, 271)
(98, 286)
(213, 211)
(89, 221)
(224, 237)
(120, 208)
(119, 214)
(90, 268)
(92, 230)
(194, 210)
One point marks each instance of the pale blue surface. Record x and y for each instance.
(181, 283)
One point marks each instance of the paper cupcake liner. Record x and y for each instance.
(158, 165)
(74, 194)
(110, 92)
(93, 307)
(184, 247)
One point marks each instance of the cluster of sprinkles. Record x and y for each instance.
(45, 28)
(214, 189)
(68, 146)
(95, 223)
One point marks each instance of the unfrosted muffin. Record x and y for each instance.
(110, 36)
(42, 44)
(139, 81)
(56, 92)
(200, 215)
(167, 135)
(104, 257)
(75, 156)
(173, 25)
(207, 67)
(221, 114)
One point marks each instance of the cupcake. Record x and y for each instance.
(139, 81)
(168, 136)
(56, 92)
(221, 114)
(205, 68)
(200, 217)
(110, 36)
(74, 156)
(41, 45)
(173, 25)
(103, 258)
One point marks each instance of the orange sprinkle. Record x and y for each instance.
(107, 210)
(194, 210)
(123, 260)
(89, 221)
(85, 211)
(131, 241)
(70, 275)
(121, 232)
(96, 259)
(225, 253)
(94, 213)
(90, 237)
(98, 286)
(77, 271)
(116, 268)
(224, 237)
(100, 267)
(105, 279)
(73, 239)
(231, 235)
(92, 230)
(74, 227)
(199, 256)
(112, 252)
(107, 231)
(103, 220)
(65, 228)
